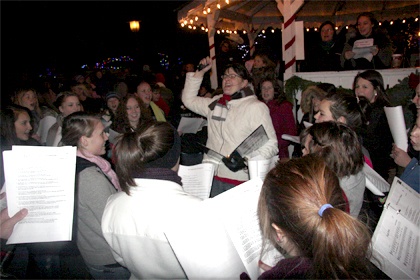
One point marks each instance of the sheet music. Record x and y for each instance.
(41, 179)
(396, 240)
(259, 166)
(292, 138)
(197, 179)
(363, 49)
(229, 225)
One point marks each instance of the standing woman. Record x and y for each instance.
(95, 182)
(67, 103)
(281, 112)
(301, 211)
(382, 49)
(232, 117)
(378, 138)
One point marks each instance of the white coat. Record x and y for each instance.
(133, 225)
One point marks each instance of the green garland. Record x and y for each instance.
(399, 94)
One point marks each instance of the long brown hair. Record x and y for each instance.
(121, 123)
(292, 194)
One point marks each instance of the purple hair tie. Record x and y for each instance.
(322, 209)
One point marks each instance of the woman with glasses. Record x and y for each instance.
(232, 117)
(325, 54)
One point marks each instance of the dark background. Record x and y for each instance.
(61, 36)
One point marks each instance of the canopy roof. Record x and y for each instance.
(253, 14)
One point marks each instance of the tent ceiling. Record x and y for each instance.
(263, 14)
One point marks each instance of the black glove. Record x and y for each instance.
(234, 162)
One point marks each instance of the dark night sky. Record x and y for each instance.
(67, 34)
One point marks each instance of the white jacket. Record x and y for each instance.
(133, 225)
(244, 116)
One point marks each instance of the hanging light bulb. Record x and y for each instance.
(218, 6)
(218, 31)
(307, 29)
(189, 26)
(272, 30)
(182, 24)
(205, 12)
(316, 29)
(135, 25)
(244, 32)
(380, 23)
(207, 30)
(196, 18)
(403, 21)
(227, 2)
(208, 10)
(391, 23)
(263, 31)
(194, 27)
(185, 22)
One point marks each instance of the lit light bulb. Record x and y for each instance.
(244, 31)
(392, 22)
(218, 6)
(191, 21)
(272, 30)
(307, 29)
(196, 18)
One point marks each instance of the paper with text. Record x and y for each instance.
(197, 179)
(374, 182)
(191, 125)
(396, 240)
(395, 117)
(363, 49)
(41, 179)
(222, 238)
(259, 166)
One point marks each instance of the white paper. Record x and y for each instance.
(191, 125)
(396, 240)
(222, 239)
(259, 166)
(197, 179)
(374, 182)
(397, 126)
(41, 179)
(292, 138)
(363, 49)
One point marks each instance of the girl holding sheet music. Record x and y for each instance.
(381, 48)
(302, 211)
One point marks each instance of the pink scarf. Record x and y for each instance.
(103, 164)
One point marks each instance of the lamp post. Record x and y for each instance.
(135, 28)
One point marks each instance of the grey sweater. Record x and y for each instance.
(93, 191)
(354, 188)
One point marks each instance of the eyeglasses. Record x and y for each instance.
(230, 76)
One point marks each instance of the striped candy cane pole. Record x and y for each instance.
(289, 8)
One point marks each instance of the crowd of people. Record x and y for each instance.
(127, 187)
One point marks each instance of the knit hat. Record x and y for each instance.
(112, 94)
